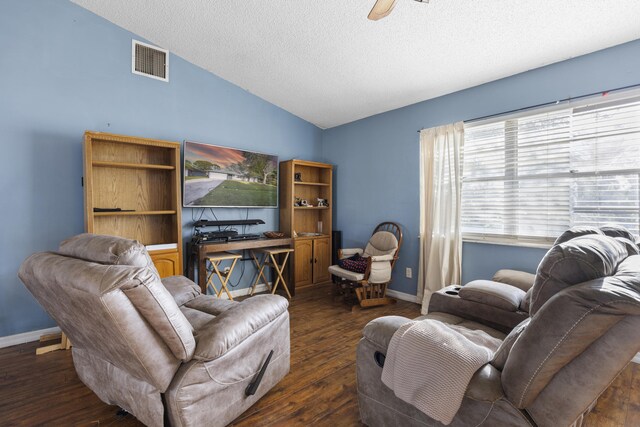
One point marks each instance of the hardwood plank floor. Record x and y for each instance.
(320, 389)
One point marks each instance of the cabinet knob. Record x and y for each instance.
(315, 260)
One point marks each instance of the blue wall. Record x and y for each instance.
(377, 165)
(64, 70)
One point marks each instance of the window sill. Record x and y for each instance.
(507, 243)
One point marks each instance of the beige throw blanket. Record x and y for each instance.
(429, 365)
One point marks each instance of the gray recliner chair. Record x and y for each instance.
(583, 329)
(159, 349)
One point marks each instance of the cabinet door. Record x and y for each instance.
(302, 256)
(321, 260)
(166, 262)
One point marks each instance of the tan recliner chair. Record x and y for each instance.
(159, 349)
(549, 370)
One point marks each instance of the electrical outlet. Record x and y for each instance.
(408, 273)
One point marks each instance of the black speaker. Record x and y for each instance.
(336, 238)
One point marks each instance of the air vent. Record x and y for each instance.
(149, 61)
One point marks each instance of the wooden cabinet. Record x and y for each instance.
(313, 257)
(321, 260)
(141, 177)
(310, 226)
(167, 262)
(303, 253)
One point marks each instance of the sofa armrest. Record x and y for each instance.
(238, 323)
(519, 279)
(379, 331)
(347, 252)
(495, 294)
(181, 289)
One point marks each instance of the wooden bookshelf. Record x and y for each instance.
(141, 176)
(312, 255)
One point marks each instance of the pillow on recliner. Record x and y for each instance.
(356, 263)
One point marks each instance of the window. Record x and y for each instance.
(528, 178)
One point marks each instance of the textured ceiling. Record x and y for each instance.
(322, 60)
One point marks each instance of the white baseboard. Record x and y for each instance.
(636, 359)
(402, 296)
(26, 337)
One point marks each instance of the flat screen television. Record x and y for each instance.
(217, 177)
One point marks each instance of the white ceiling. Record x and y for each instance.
(325, 62)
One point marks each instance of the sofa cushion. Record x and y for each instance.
(574, 232)
(469, 324)
(181, 289)
(501, 355)
(158, 307)
(578, 260)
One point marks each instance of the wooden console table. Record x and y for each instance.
(198, 255)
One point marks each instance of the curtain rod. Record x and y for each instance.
(547, 104)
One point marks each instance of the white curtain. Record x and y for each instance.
(440, 186)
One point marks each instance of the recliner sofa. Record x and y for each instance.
(159, 349)
(583, 329)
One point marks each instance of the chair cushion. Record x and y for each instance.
(346, 274)
(381, 243)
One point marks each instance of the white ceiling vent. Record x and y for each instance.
(149, 61)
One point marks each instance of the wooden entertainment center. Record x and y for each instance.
(141, 177)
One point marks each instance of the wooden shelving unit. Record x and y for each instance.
(312, 255)
(141, 176)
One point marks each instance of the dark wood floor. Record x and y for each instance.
(320, 390)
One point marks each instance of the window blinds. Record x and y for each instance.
(528, 178)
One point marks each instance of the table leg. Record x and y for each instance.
(260, 267)
(202, 271)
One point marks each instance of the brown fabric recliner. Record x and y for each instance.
(159, 349)
(550, 370)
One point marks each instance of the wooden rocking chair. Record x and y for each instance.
(381, 253)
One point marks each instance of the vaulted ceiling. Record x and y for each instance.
(325, 62)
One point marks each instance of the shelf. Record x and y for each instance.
(132, 165)
(120, 213)
(310, 208)
(319, 184)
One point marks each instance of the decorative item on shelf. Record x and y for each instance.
(303, 202)
(294, 234)
(297, 177)
(323, 203)
(273, 234)
(297, 201)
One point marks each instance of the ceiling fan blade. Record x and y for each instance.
(381, 9)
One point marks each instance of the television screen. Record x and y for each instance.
(217, 176)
